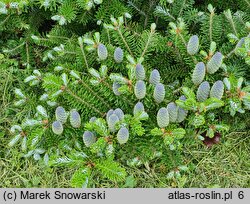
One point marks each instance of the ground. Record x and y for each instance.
(224, 165)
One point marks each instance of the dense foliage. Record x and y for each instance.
(102, 86)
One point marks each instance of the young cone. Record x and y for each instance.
(89, 138)
(75, 119)
(123, 135)
(61, 114)
(203, 91)
(102, 51)
(162, 118)
(140, 89)
(154, 77)
(193, 45)
(57, 127)
(118, 55)
(217, 90)
(159, 93)
(198, 73)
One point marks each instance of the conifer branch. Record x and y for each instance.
(95, 94)
(124, 98)
(15, 48)
(44, 39)
(27, 53)
(3, 22)
(84, 56)
(124, 41)
(58, 37)
(84, 102)
(136, 8)
(182, 39)
(233, 26)
(183, 4)
(211, 27)
(147, 44)
(248, 3)
(70, 52)
(146, 21)
(148, 12)
(108, 36)
(177, 52)
(230, 53)
(185, 44)
(162, 11)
